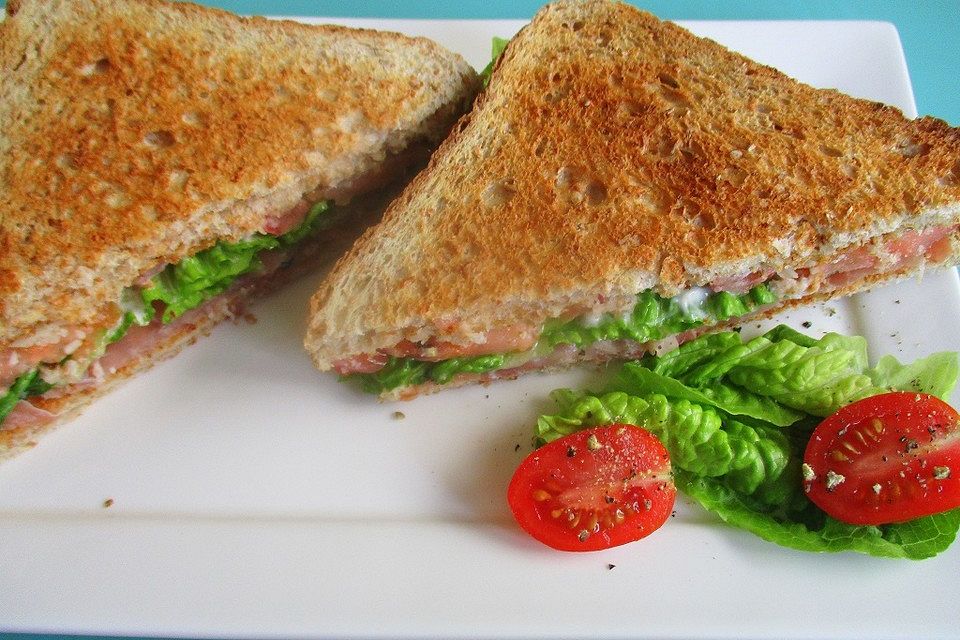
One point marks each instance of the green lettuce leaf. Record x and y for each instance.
(208, 273)
(918, 539)
(638, 380)
(678, 362)
(398, 372)
(197, 278)
(833, 536)
(442, 372)
(818, 379)
(403, 372)
(652, 318)
(496, 50)
(28, 384)
(936, 374)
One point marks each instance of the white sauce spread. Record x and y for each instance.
(692, 302)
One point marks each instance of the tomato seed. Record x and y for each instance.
(839, 456)
(851, 448)
(540, 495)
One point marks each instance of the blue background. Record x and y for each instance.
(929, 30)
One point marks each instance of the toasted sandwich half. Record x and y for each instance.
(622, 186)
(161, 162)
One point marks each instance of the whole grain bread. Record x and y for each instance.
(136, 132)
(613, 153)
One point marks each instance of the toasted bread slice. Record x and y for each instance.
(137, 133)
(612, 154)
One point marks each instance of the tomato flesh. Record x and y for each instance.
(884, 459)
(594, 489)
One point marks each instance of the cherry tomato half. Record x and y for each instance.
(594, 489)
(888, 458)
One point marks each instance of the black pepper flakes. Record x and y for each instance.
(571, 452)
(806, 324)
(611, 566)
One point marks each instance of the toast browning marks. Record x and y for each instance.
(613, 153)
(137, 132)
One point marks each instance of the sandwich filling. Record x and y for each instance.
(653, 323)
(156, 301)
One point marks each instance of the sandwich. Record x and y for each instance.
(161, 163)
(620, 187)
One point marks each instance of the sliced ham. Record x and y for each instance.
(14, 362)
(740, 284)
(361, 364)
(25, 415)
(512, 339)
(277, 225)
(144, 280)
(915, 243)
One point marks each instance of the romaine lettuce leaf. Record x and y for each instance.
(496, 49)
(678, 362)
(918, 539)
(398, 372)
(936, 374)
(197, 278)
(442, 372)
(208, 273)
(404, 372)
(638, 380)
(817, 379)
(28, 384)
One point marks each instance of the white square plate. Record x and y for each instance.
(254, 496)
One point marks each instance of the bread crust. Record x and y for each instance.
(137, 132)
(613, 153)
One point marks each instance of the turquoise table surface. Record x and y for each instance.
(929, 30)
